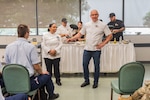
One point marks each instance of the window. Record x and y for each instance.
(15, 12)
(136, 13)
(137, 17)
(104, 7)
(52, 11)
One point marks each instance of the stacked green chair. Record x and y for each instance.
(17, 80)
(130, 79)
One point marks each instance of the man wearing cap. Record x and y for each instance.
(117, 27)
(64, 30)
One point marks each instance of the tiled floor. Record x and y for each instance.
(71, 90)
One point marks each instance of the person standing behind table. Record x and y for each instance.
(24, 53)
(64, 30)
(51, 45)
(80, 25)
(117, 27)
(94, 31)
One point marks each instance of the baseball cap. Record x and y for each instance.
(112, 14)
(64, 20)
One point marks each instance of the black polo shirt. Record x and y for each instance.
(117, 24)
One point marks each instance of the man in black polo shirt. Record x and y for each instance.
(116, 26)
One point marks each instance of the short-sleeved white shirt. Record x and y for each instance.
(22, 52)
(64, 30)
(94, 33)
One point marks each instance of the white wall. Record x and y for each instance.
(142, 53)
(138, 38)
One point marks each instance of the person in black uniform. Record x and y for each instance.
(116, 26)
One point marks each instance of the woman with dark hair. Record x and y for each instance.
(80, 25)
(51, 46)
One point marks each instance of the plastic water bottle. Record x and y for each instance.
(120, 40)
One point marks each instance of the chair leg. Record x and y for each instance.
(39, 94)
(111, 94)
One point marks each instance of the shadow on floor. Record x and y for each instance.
(91, 74)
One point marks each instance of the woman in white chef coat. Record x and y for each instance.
(51, 47)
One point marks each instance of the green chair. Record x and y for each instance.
(17, 80)
(130, 78)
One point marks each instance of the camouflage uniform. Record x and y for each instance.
(142, 93)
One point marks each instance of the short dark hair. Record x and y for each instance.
(80, 22)
(22, 30)
(64, 20)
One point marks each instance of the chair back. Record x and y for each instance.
(16, 79)
(131, 77)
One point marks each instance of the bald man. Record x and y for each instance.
(94, 31)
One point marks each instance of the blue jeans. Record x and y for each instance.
(87, 55)
(17, 97)
(42, 80)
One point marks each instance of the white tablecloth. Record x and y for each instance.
(71, 58)
(113, 56)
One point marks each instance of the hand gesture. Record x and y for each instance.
(52, 52)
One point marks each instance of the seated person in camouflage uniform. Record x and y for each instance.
(142, 93)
